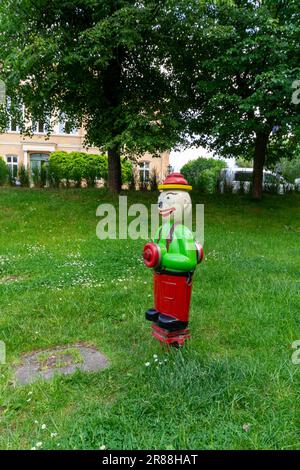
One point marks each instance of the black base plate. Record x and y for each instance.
(151, 314)
(170, 323)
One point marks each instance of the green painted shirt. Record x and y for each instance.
(178, 249)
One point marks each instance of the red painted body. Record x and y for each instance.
(172, 295)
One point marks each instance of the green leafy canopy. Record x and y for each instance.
(94, 61)
(240, 59)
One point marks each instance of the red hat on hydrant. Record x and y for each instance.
(175, 181)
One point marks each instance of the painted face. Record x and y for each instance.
(174, 205)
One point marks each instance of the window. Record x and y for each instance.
(14, 109)
(12, 164)
(66, 128)
(40, 127)
(12, 126)
(243, 176)
(144, 172)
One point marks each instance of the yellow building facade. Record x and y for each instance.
(18, 150)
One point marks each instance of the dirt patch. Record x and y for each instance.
(7, 279)
(7, 209)
(55, 361)
(65, 360)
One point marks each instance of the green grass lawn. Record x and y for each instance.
(233, 387)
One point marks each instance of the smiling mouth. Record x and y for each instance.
(167, 212)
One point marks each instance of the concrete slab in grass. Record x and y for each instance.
(59, 360)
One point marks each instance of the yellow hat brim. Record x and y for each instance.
(185, 187)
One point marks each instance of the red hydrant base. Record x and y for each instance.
(170, 337)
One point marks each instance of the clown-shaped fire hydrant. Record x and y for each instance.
(173, 255)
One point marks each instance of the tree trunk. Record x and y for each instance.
(114, 170)
(112, 90)
(261, 143)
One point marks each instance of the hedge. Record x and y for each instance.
(76, 166)
(203, 173)
(3, 172)
(290, 169)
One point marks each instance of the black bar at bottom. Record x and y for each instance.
(135, 459)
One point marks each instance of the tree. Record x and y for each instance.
(93, 62)
(234, 65)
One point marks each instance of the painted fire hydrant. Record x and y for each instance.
(174, 255)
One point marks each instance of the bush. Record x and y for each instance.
(10, 178)
(76, 166)
(132, 181)
(127, 171)
(40, 175)
(207, 181)
(289, 169)
(44, 174)
(3, 172)
(36, 176)
(154, 180)
(23, 176)
(203, 173)
(95, 167)
(59, 167)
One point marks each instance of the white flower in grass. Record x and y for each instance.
(43, 426)
(155, 356)
(103, 447)
(39, 444)
(29, 400)
(160, 363)
(147, 364)
(33, 448)
(36, 422)
(53, 434)
(246, 427)
(29, 393)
